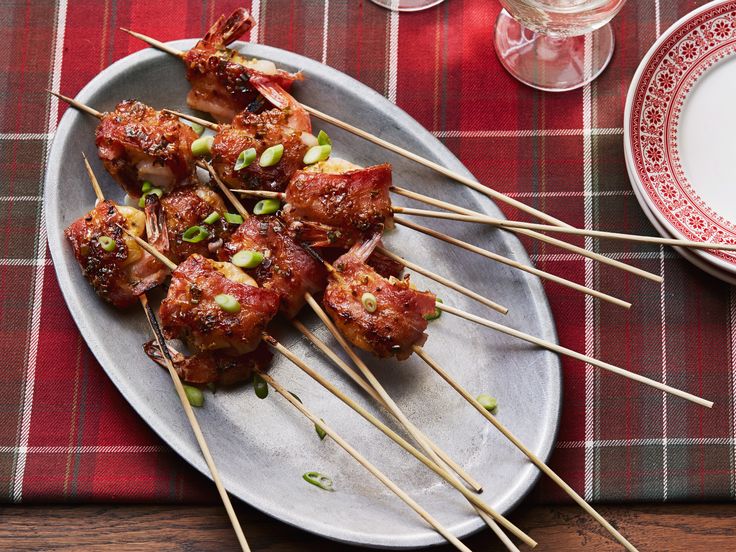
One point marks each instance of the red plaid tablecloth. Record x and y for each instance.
(67, 435)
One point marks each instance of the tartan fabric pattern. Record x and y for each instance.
(67, 435)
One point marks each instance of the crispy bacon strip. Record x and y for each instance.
(191, 313)
(120, 275)
(214, 366)
(286, 269)
(398, 321)
(338, 210)
(221, 79)
(136, 143)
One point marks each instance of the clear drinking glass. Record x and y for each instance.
(555, 45)
(407, 5)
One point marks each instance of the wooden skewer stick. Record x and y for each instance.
(199, 436)
(536, 235)
(528, 453)
(79, 105)
(242, 211)
(426, 516)
(194, 119)
(482, 219)
(515, 264)
(155, 43)
(473, 498)
(574, 354)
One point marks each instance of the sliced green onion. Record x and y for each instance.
(369, 302)
(318, 480)
(295, 396)
(227, 302)
(487, 402)
(260, 386)
(212, 218)
(317, 154)
(233, 218)
(146, 187)
(202, 147)
(247, 259)
(195, 234)
(245, 158)
(437, 312)
(194, 395)
(153, 191)
(106, 243)
(197, 128)
(321, 432)
(271, 156)
(267, 207)
(323, 139)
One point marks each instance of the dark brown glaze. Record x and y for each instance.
(216, 367)
(259, 131)
(286, 269)
(190, 312)
(398, 322)
(136, 143)
(338, 210)
(221, 83)
(118, 276)
(169, 217)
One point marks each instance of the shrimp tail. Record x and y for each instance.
(225, 31)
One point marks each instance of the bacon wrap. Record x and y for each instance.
(113, 274)
(190, 312)
(137, 143)
(169, 217)
(216, 367)
(260, 132)
(286, 269)
(398, 322)
(221, 85)
(338, 210)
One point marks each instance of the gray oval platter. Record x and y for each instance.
(262, 447)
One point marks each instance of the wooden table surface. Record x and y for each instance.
(671, 527)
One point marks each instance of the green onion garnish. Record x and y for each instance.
(316, 154)
(195, 234)
(233, 218)
(247, 259)
(369, 302)
(321, 432)
(227, 302)
(271, 156)
(487, 402)
(197, 128)
(245, 158)
(318, 480)
(146, 187)
(260, 386)
(267, 207)
(202, 147)
(212, 218)
(194, 395)
(323, 139)
(158, 192)
(106, 243)
(437, 312)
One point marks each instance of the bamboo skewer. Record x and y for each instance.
(574, 354)
(509, 224)
(474, 499)
(528, 453)
(188, 411)
(78, 105)
(366, 464)
(536, 235)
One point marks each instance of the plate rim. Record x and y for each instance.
(542, 306)
(716, 266)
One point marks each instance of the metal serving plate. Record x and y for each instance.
(262, 447)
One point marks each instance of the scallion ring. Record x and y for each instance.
(318, 480)
(487, 402)
(194, 395)
(267, 207)
(317, 154)
(321, 432)
(369, 302)
(245, 158)
(271, 156)
(197, 128)
(146, 187)
(158, 192)
(233, 218)
(323, 139)
(195, 234)
(212, 218)
(227, 302)
(107, 243)
(437, 312)
(247, 259)
(260, 386)
(202, 147)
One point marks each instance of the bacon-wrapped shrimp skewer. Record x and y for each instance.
(181, 393)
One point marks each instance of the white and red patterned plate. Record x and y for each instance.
(680, 133)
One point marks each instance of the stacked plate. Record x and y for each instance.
(680, 134)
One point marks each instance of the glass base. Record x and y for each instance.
(553, 64)
(407, 5)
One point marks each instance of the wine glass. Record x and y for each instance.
(407, 5)
(555, 45)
